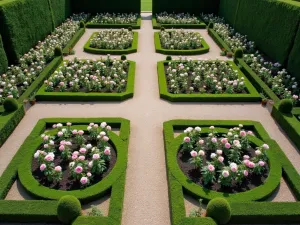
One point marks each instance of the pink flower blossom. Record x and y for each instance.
(61, 148)
(49, 158)
(236, 142)
(233, 169)
(201, 142)
(246, 173)
(74, 132)
(59, 134)
(220, 159)
(194, 154)
(257, 152)
(225, 173)
(103, 124)
(102, 133)
(57, 169)
(74, 157)
(84, 180)
(211, 168)
(46, 138)
(108, 128)
(246, 162)
(78, 169)
(224, 140)
(246, 157)
(46, 146)
(69, 124)
(82, 150)
(243, 133)
(201, 153)
(91, 124)
(214, 140)
(107, 151)
(261, 163)
(96, 156)
(227, 145)
(219, 152)
(265, 146)
(43, 167)
(250, 133)
(80, 132)
(96, 126)
(105, 138)
(186, 139)
(251, 165)
(89, 174)
(54, 126)
(81, 158)
(76, 153)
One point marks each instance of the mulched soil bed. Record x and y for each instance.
(195, 174)
(67, 182)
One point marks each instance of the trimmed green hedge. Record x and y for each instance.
(198, 51)
(42, 95)
(191, 6)
(228, 10)
(294, 59)
(74, 40)
(113, 6)
(157, 25)
(218, 39)
(61, 10)
(132, 49)
(136, 25)
(15, 17)
(252, 96)
(3, 58)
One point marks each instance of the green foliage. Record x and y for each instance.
(191, 6)
(210, 25)
(115, 6)
(61, 10)
(10, 105)
(95, 211)
(228, 9)
(123, 57)
(58, 51)
(218, 40)
(156, 25)
(285, 106)
(68, 209)
(73, 41)
(169, 58)
(294, 59)
(15, 17)
(219, 209)
(82, 24)
(130, 28)
(100, 25)
(162, 28)
(238, 53)
(3, 58)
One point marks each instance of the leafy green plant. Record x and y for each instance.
(197, 212)
(58, 51)
(238, 53)
(219, 209)
(68, 209)
(95, 211)
(10, 105)
(285, 106)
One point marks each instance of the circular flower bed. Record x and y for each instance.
(180, 18)
(180, 40)
(203, 76)
(112, 18)
(112, 39)
(76, 75)
(223, 162)
(72, 159)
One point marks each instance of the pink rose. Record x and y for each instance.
(251, 164)
(211, 168)
(61, 148)
(89, 174)
(74, 157)
(59, 134)
(108, 128)
(243, 133)
(107, 151)
(227, 145)
(201, 142)
(261, 163)
(46, 146)
(214, 140)
(78, 169)
(219, 152)
(80, 132)
(201, 153)
(76, 153)
(225, 173)
(224, 140)
(246, 157)
(82, 150)
(81, 158)
(194, 154)
(105, 138)
(96, 125)
(57, 169)
(74, 132)
(43, 167)
(103, 124)
(233, 169)
(265, 146)
(250, 132)
(96, 156)
(186, 139)
(69, 124)
(245, 173)
(220, 159)
(246, 162)
(84, 180)
(46, 138)
(49, 158)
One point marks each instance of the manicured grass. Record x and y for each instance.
(146, 5)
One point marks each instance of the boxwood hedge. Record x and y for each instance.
(42, 95)
(198, 51)
(132, 49)
(3, 58)
(45, 210)
(61, 10)
(251, 96)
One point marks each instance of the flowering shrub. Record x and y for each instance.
(112, 39)
(204, 76)
(180, 18)
(112, 18)
(74, 147)
(227, 159)
(180, 39)
(19, 77)
(109, 75)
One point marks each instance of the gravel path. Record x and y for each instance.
(146, 194)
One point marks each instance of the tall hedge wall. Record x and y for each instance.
(61, 10)
(192, 6)
(228, 9)
(95, 6)
(3, 58)
(294, 58)
(22, 24)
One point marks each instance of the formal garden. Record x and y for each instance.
(149, 112)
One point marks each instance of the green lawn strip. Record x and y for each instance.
(251, 96)
(198, 51)
(132, 49)
(42, 95)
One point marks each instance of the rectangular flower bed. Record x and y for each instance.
(114, 42)
(119, 20)
(90, 80)
(180, 43)
(223, 83)
(180, 20)
(45, 211)
(242, 210)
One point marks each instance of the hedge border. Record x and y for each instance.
(244, 211)
(157, 25)
(252, 96)
(42, 95)
(219, 41)
(165, 51)
(45, 210)
(136, 25)
(73, 41)
(132, 49)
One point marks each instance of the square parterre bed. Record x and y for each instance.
(223, 158)
(204, 81)
(90, 80)
(114, 42)
(60, 150)
(115, 20)
(177, 20)
(180, 42)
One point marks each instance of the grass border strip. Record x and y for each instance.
(42, 95)
(252, 96)
(159, 49)
(132, 49)
(136, 25)
(157, 25)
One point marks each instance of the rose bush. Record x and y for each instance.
(85, 160)
(179, 18)
(115, 18)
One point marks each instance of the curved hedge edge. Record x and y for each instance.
(157, 25)
(30, 211)
(39, 81)
(256, 81)
(296, 110)
(159, 49)
(73, 41)
(132, 49)
(94, 220)
(289, 123)
(8, 123)
(42, 95)
(137, 25)
(218, 40)
(252, 96)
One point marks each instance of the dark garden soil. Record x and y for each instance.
(194, 174)
(67, 182)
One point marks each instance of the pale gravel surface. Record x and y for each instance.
(146, 194)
